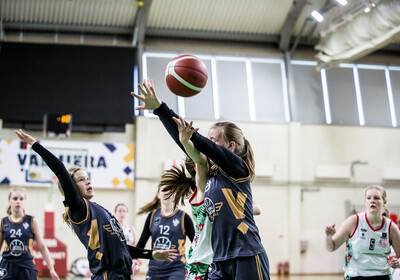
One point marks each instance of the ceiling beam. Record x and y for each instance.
(289, 24)
(43, 27)
(139, 29)
(209, 35)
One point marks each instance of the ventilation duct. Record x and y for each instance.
(360, 34)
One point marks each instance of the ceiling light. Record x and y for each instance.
(342, 2)
(367, 9)
(317, 16)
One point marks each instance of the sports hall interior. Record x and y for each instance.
(318, 101)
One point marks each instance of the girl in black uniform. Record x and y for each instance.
(99, 231)
(168, 227)
(228, 199)
(19, 230)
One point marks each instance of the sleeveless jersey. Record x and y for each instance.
(18, 239)
(130, 238)
(200, 251)
(228, 202)
(368, 249)
(102, 235)
(168, 233)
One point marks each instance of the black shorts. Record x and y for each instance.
(10, 271)
(254, 268)
(110, 275)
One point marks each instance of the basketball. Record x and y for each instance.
(186, 75)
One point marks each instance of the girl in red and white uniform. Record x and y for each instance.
(369, 237)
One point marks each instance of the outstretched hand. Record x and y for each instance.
(330, 230)
(185, 131)
(25, 137)
(148, 96)
(165, 255)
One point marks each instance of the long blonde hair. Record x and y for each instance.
(72, 170)
(231, 132)
(384, 196)
(15, 189)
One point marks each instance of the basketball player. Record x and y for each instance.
(120, 212)
(99, 231)
(168, 227)
(19, 230)
(238, 252)
(368, 237)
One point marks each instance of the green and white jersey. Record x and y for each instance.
(368, 249)
(200, 251)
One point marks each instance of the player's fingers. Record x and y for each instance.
(140, 97)
(142, 89)
(147, 89)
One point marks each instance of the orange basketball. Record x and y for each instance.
(186, 75)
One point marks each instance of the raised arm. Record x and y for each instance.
(72, 198)
(333, 239)
(232, 164)
(185, 133)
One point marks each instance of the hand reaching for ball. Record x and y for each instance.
(148, 96)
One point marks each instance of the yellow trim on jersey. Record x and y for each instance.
(32, 227)
(151, 218)
(243, 228)
(259, 270)
(87, 214)
(183, 223)
(94, 238)
(99, 256)
(239, 180)
(236, 205)
(31, 248)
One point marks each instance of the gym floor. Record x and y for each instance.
(273, 277)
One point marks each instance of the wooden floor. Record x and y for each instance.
(273, 277)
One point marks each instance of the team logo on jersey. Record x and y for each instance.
(162, 243)
(362, 235)
(384, 235)
(116, 227)
(212, 210)
(383, 243)
(3, 273)
(25, 225)
(17, 247)
(6, 227)
(175, 222)
(157, 221)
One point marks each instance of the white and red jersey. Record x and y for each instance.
(368, 249)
